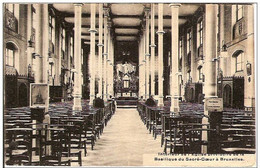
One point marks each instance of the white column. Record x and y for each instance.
(152, 51)
(29, 34)
(160, 53)
(38, 45)
(147, 52)
(105, 54)
(210, 65)
(250, 59)
(139, 67)
(109, 60)
(143, 68)
(92, 53)
(145, 63)
(175, 59)
(100, 49)
(37, 59)
(77, 93)
(112, 66)
(222, 60)
(184, 69)
(45, 43)
(45, 46)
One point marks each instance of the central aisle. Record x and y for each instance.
(124, 141)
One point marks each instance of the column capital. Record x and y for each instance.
(77, 96)
(92, 30)
(160, 32)
(147, 54)
(147, 11)
(78, 4)
(109, 24)
(106, 11)
(100, 45)
(104, 54)
(152, 45)
(174, 5)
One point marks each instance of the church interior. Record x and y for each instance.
(102, 84)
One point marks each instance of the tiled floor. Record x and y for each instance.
(124, 141)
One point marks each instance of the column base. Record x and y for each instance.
(174, 113)
(77, 104)
(204, 137)
(47, 119)
(160, 101)
(105, 98)
(175, 105)
(91, 100)
(175, 109)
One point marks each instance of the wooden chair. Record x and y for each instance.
(19, 153)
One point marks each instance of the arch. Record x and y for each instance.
(12, 48)
(239, 60)
(227, 96)
(23, 95)
(237, 52)
(10, 53)
(192, 95)
(237, 47)
(13, 43)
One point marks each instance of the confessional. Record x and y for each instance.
(231, 89)
(193, 92)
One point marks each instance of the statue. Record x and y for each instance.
(39, 99)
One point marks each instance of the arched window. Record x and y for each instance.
(188, 41)
(52, 32)
(63, 43)
(200, 73)
(10, 54)
(239, 56)
(239, 12)
(200, 32)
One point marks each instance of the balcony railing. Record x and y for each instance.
(239, 28)
(200, 52)
(51, 47)
(11, 21)
(31, 41)
(188, 63)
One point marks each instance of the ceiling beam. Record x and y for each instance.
(66, 14)
(126, 16)
(127, 34)
(117, 34)
(127, 27)
(88, 34)
(139, 27)
(87, 15)
(140, 17)
(85, 40)
(127, 41)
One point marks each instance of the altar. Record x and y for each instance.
(126, 81)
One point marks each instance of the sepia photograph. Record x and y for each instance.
(129, 84)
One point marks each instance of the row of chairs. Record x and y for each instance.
(183, 134)
(58, 143)
(238, 131)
